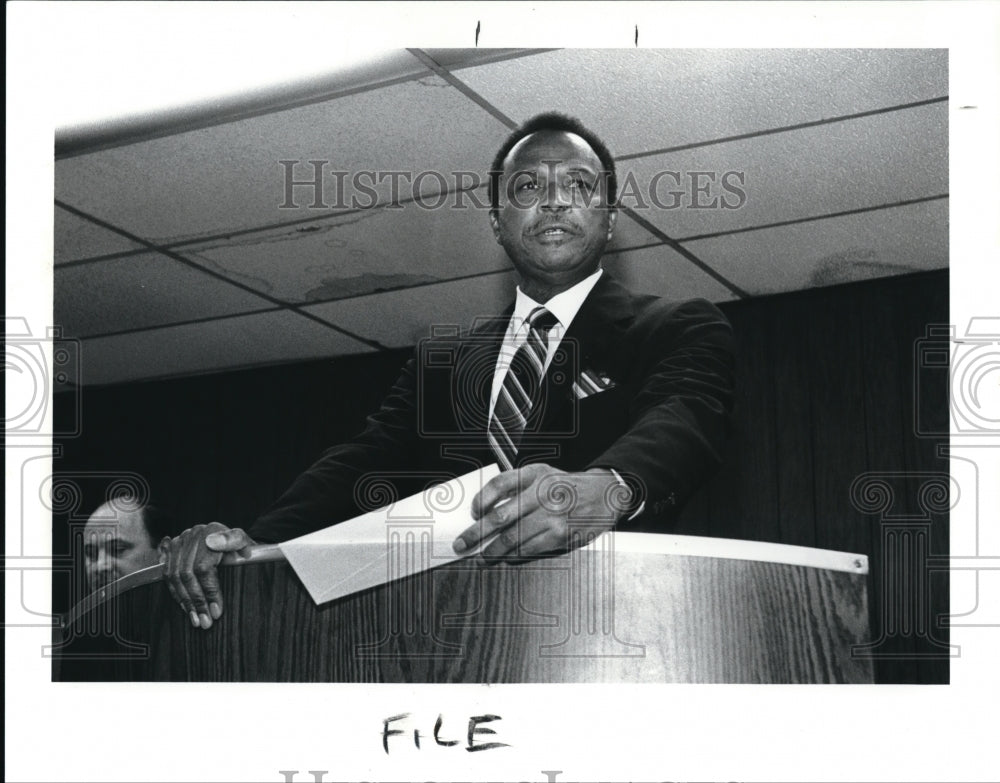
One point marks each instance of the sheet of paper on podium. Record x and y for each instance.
(404, 538)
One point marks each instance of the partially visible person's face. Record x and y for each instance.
(553, 221)
(115, 543)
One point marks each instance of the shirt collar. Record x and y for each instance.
(564, 306)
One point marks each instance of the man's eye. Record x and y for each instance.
(579, 183)
(527, 186)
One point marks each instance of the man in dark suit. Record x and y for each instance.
(603, 408)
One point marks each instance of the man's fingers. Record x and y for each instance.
(177, 589)
(496, 488)
(195, 568)
(234, 540)
(505, 499)
(190, 569)
(213, 593)
(530, 536)
(504, 514)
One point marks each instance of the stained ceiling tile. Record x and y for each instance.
(142, 290)
(401, 318)
(881, 159)
(372, 250)
(360, 253)
(230, 343)
(880, 243)
(647, 99)
(228, 177)
(77, 238)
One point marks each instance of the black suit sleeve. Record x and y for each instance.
(325, 493)
(679, 413)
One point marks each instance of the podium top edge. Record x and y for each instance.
(736, 549)
(624, 543)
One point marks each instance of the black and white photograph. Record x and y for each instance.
(420, 405)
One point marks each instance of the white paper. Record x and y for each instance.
(404, 538)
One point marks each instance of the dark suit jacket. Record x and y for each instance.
(661, 421)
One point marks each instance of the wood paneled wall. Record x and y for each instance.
(827, 385)
(827, 382)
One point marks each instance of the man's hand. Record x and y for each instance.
(190, 561)
(536, 508)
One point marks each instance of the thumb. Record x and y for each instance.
(234, 540)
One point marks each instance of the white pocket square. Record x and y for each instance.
(590, 383)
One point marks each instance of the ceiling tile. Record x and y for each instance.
(836, 250)
(243, 341)
(142, 290)
(881, 159)
(78, 238)
(369, 251)
(628, 234)
(360, 253)
(647, 99)
(228, 177)
(458, 58)
(662, 271)
(401, 318)
(171, 103)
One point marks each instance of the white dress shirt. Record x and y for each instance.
(563, 306)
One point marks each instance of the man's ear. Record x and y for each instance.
(495, 224)
(612, 219)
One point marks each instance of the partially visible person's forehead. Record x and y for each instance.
(560, 146)
(123, 524)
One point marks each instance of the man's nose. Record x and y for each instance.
(555, 197)
(103, 565)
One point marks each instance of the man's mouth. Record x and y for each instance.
(554, 231)
(100, 581)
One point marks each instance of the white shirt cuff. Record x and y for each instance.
(621, 481)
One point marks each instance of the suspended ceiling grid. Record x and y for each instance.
(177, 250)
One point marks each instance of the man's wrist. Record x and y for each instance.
(626, 499)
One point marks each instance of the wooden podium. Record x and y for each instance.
(630, 607)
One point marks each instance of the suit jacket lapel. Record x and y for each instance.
(593, 341)
(476, 366)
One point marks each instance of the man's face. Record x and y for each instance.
(553, 220)
(115, 543)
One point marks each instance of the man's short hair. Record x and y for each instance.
(553, 121)
(158, 520)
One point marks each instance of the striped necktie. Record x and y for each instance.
(521, 389)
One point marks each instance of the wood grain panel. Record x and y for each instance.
(671, 619)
